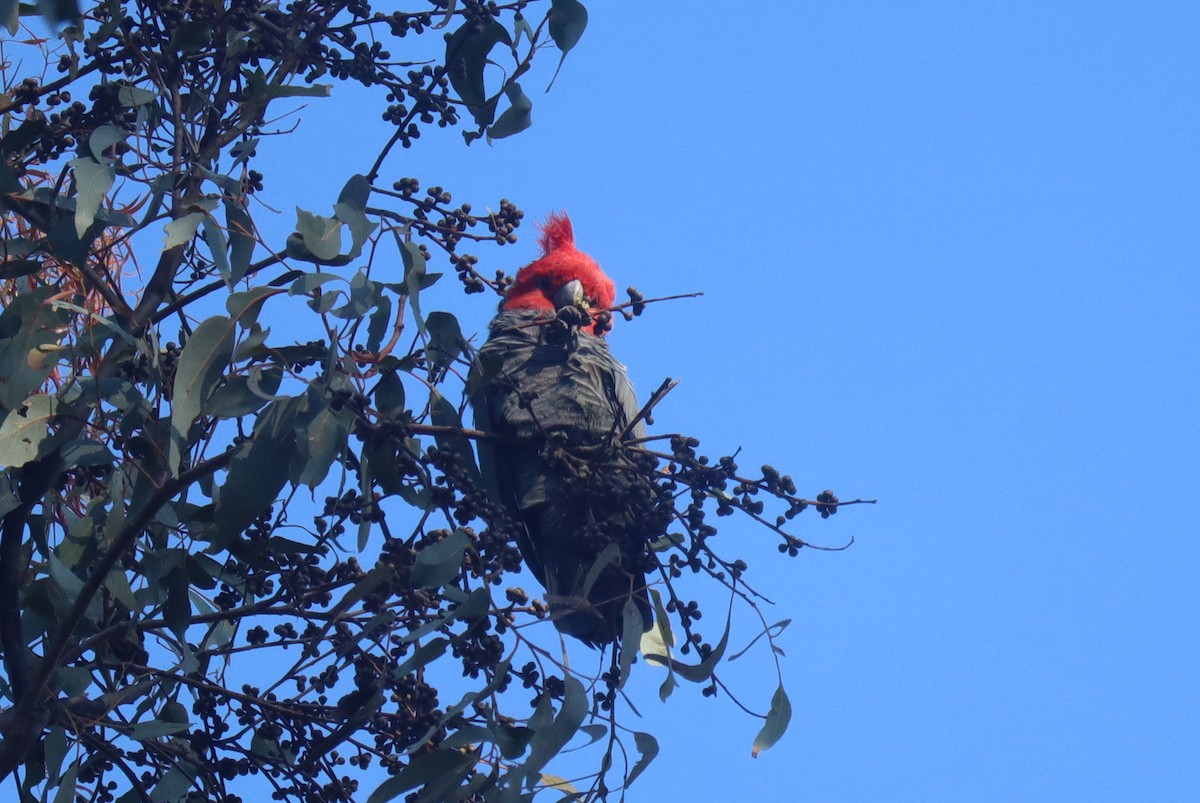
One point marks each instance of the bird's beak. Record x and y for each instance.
(569, 295)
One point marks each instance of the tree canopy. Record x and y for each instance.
(228, 553)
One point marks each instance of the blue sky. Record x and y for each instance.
(950, 260)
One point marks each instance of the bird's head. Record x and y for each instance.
(562, 275)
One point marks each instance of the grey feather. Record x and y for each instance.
(538, 393)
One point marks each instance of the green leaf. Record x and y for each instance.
(366, 488)
(499, 679)
(631, 618)
(521, 27)
(31, 327)
(377, 325)
(116, 512)
(351, 209)
(155, 729)
(118, 585)
(245, 306)
(355, 193)
(389, 395)
(25, 433)
(258, 88)
(66, 788)
(361, 705)
(446, 340)
(439, 563)
(72, 586)
(191, 37)
(549, 781)
(175, 784)
(14, 247)
(549, 740)
(449, 15)
(467, 52)
(237, 398)
(85, 452)
(265, 748)
(55, 750)
(181, 230)
(319, 441)
(240, 230)
(295, 248)
(380, 460)
(258, 473)
(65, 244)
(425, 769)
(477, 602)
(647, 745)
(322, 236)
(10, 16)
(243, 150)
(178, 611)
(777, 721)
(609, 554)
(59, 11)
(773, 631)
(414, 273)
(422, 656)
(360, 298)
(204, 359)
(516, 117)
(104, 138)
(696, 673)
(568, 19)
(92, 181)
(444, 414)
(311, 281)
(379, 576)
(214, 238)
(135, 96)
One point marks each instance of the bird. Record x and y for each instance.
(557, 408)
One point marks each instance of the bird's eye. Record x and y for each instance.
(544, 284)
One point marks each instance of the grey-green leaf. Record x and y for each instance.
(423, 770)
(516, 117)
(696, 673)
(389, 395)
(25, 433)
(777, 722)
(155, 729)
(439, 563)
(647, 745)
(92, 181)
(104, 138)
(549, 740)
(321, 235)
(568, 19)
(446, 339)
(467, 52)
(30, 328)
(201, 364)
(631, 631)
(320, 441)
(414, 273)
(240, 230)
(181, 230)
(175, 784)
(258, 473)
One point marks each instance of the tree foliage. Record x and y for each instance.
(226, 552)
